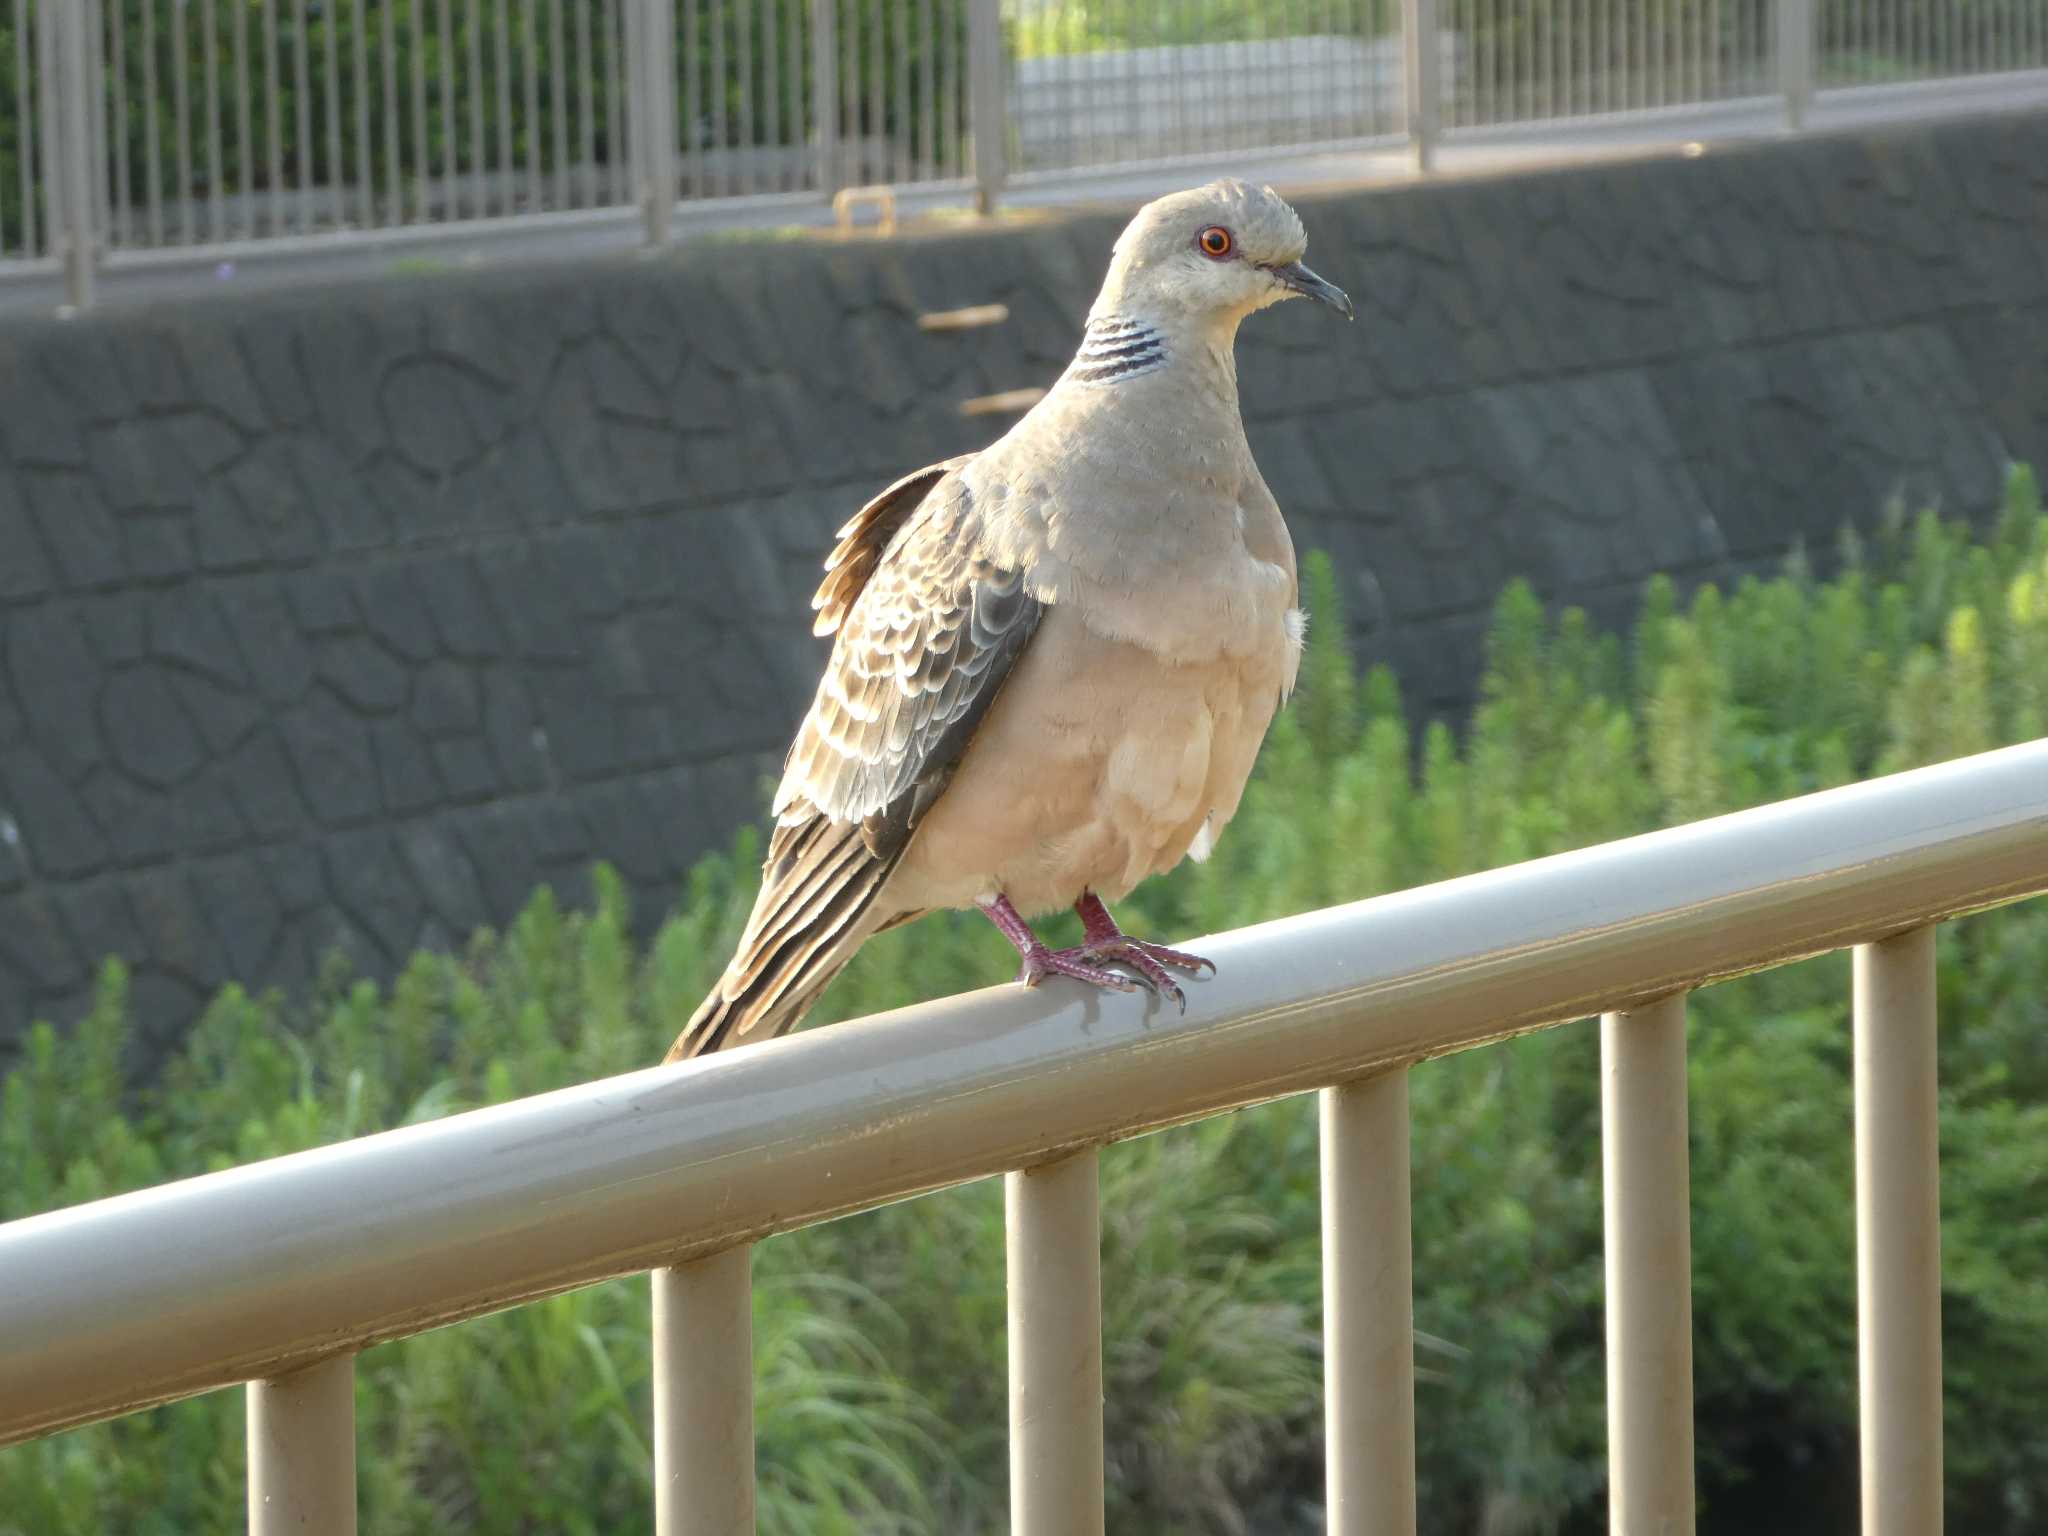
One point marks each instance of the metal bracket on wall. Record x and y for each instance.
(846, 199)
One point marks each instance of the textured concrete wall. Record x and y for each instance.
(343, 618)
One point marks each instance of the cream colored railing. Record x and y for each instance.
(275, 1274)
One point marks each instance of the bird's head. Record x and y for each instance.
(1214, 254)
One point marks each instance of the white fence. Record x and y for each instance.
(131, 126)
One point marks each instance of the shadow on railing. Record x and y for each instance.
(276, 1273)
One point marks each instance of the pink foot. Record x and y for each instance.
(1089, 962)
(1040, 962)
(1108, 942)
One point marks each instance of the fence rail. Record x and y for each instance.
(139, 125)
(275, 1273)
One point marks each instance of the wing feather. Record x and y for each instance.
(926, 631)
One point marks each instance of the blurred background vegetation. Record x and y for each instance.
(879, 1339)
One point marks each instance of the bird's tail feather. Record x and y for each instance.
(816, 907)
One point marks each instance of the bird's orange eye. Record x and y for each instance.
(1215, 242)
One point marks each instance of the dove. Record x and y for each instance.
(1054, 660)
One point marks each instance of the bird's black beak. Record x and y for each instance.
(1295, 276)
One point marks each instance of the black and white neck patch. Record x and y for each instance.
(1114, 349)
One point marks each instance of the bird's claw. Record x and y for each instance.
(1148, 962)
(1073, 963)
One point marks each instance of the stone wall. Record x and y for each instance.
(343, 618)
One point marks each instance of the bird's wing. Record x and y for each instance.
(865, 539)
(920, 654)
(927, 629)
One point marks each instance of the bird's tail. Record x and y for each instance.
(816, 907)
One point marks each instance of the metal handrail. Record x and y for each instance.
(253, 1272)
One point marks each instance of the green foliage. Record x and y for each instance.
(879, 1340)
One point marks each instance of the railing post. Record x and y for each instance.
(704, 1396)
(990, 111)
(302, 1452)
(825, 91)
(1898, 1236)
(65, 49)
(1368, 1309)
(651, 112)
(1422, 86)
(1054, 1221)
(1795, 60)
(1649, 1270)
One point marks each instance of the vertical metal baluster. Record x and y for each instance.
(586, 116)
(1795, 59)
(558, 99)
(181, 111)
(366, 175)
(775, 148)
(64, 45)
(450, 114)
(1526, 86)
(1617, 55)
(501, 56)
(743, 105)
(874, 138)
(1898, 1236)
(704, 1397)
(721, 166)
(302, 1452)
(1071, 87)
(337, 188)
(796, 141)
(479, 154)
(822, 115)
(958, 87)
(529, 57)
(900, 121)
(693, 99)
(1422, 86)
(302, 117)
(1649, 1269)
(1668, 71)
(1660, 53)
(1710, 53)
(422, 166)
(394, 149)
(617, 70)
(24, 168)
(985, 88)
(1328, 121)
(655, 61)
(210, 87)
(96, 57)
(1368, 1309)
(1054, 1223)
(152, 151)
(1571, 51)
(39, 116)
(123, 191)
(927, 91)
(846, 172)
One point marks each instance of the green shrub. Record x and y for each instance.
(880, 1340)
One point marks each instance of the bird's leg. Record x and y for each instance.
(1107, 942)
(1041, 962)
